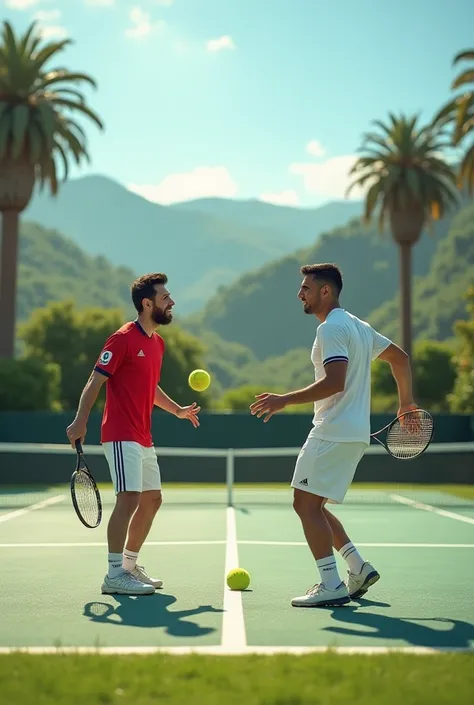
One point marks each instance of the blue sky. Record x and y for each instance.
(249, 98)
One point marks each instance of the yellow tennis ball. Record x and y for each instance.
(238, 579)
(199, 380)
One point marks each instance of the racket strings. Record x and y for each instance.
(410, 435)
(86, 497)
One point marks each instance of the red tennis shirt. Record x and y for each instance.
(131, 360)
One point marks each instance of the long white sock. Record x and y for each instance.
(328, 571)
(115, 565)
(129, 560)
(352, 557)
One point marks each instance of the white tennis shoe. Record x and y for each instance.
(320, 596)
(359, 583)
(140, 574)
(125, 584)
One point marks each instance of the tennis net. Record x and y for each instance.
(443, 476)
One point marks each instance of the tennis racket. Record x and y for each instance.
(407, 436)
(84, 492)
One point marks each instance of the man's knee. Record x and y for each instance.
(128, 501)
(151, 500)
(305, 503)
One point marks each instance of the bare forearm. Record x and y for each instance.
(88, 398)
(401, 372)
(164, 402)
(315, 392)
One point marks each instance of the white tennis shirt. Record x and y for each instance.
(345, 416)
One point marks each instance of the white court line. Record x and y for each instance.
(364, 545)
(429, 508)
(33, 507)
(226, 651)
(102, 544)
(233, 624)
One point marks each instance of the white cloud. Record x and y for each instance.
(224, 42)
(142, 25)
(202, 182)
(328, 179)
(48, 26)
(100, 3)
(315, 148)
(53, 31)
(21, 4)
(284, 198)
(48, 15)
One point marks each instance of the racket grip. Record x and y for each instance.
(78, 445)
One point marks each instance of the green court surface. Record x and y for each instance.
(420, 540)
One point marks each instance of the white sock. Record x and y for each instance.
(328, 570)
(115, 565)
(352, 557)
(129, 560)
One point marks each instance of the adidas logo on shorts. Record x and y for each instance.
(304, 482)
(141, 354)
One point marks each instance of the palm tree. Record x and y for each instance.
(459, 113)
(410, 185)
(37, 134)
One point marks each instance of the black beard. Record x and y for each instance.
(162, 318)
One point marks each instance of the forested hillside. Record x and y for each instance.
(261, 311)
(53, 268)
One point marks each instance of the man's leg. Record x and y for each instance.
(361, 574)
(125, 470)
(150, 502)
(318, 533)
(119, 522)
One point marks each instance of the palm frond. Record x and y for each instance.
(402, 166)
(466, 55)
(40, 104)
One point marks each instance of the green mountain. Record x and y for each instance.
(52, 268)
(201, 245)
(299, 226)
(261, 310)
(438, 297)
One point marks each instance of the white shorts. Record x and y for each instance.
(327, 468)
(133, 467)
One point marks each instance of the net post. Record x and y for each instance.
(230, 476)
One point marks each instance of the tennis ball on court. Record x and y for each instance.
(238, 579)
(199, 380)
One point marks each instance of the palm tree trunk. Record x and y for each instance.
(8, 275)
(405, 295)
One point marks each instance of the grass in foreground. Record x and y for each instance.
(325, 679)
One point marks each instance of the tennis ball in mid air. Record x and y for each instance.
(199, 380)
(238, 579)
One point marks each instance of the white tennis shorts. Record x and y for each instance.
(133, 467)
(327, 468)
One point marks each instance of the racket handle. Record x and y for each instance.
(78, 445)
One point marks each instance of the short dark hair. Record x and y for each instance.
(144, 288)
(327, 273)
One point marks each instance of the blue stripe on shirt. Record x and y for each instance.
(336, 358)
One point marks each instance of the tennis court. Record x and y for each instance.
(420, 538)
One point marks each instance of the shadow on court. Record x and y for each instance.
(150, 612)
(413, 630)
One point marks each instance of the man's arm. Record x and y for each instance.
(401, 370)
(182, 412)
(333, 383)
(88, 398)
(164, 402)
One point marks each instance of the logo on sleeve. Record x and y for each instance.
(105, 357)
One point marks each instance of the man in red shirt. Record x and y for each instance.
(130, 363)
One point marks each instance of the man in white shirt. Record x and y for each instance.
(342, 355)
